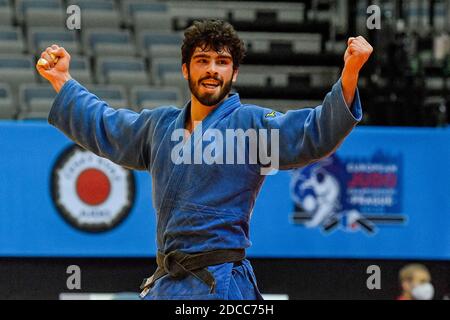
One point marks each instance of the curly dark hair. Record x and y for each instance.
(215, 34)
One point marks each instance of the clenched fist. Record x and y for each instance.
(357, 53)
(54, 66)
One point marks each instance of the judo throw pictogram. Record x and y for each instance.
(357, 195)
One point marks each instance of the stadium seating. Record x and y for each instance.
(104, 42)
(293, 43)
(35, 100)
(282, 76)
(183, 14)
(294, 48)
(250, 13)
(151, 97)
(41, 38)
(120, 70)
(39, 13)
(11, 40)
(7, 106)
(115, 95)
(160, 44)
(6, 13)
(130, 7)
(80, 69)
(16, 70)
(126, 45)
(98, 14)
(160, 67)
(44, 18)
(167, 72)
(147, 15)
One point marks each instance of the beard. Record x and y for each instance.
(210, 98)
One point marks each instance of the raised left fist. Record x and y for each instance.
(357, 53)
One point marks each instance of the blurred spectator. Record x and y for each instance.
(415, 282)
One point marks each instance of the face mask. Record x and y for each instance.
(423, 292)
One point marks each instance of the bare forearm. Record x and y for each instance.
(349, 84)
(59, 82)
(356, 55)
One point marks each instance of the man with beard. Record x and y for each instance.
(203, 211)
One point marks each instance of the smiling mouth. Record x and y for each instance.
(208, 84)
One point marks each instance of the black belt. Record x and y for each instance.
(179, 265)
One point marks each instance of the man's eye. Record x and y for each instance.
(223, 62)
(202, 61)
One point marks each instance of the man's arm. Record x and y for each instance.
(356, 55)
(309, 134)
(120, 135)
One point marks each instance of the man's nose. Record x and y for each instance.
(212, 68)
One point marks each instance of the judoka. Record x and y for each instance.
(203, 210)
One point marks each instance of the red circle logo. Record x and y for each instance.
(91, 193)
(93, 187)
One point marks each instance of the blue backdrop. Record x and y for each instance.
(394, 194)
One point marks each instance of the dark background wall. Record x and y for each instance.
(299, 278)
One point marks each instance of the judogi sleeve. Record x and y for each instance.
(309, 134)
(121, 136)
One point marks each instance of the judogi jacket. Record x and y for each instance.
(202, 207)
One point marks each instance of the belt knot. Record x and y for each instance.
(173, 265)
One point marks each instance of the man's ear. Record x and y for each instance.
(235, 74)
(185, 71)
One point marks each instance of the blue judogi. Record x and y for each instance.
(201, 207)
